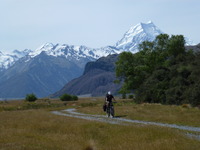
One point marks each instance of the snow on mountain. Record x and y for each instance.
(20, 54)
(139, 33)
(136, 35)
(7, 60)
(189, 42)
(76, 52)
(129, 42)
(70, 52)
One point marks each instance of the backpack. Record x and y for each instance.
(104, 107)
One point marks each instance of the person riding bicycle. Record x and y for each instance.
(109, 103)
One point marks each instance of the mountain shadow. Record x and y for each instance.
(97, 79)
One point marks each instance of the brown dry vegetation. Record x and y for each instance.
(24, 127)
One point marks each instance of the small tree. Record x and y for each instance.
(66, 97)
(75, 98)
(123, 95)
(31, 97)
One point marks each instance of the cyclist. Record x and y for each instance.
(110, 108)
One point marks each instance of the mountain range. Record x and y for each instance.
(51, 66)
(129, 42)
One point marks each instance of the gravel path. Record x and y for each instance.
(101, 118)
(123, 121)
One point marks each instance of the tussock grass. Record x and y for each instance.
(38, 129)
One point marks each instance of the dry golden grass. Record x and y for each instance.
(38, 129)
(150, 112)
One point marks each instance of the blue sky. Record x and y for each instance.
(93, 23)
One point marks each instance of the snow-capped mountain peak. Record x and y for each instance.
(47, 47)
(20, 54)
(72, 51)
(7, 60)
(136, 35)
(57, 50)
(129, 42)
(151, 29)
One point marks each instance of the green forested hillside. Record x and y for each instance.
(163, 71)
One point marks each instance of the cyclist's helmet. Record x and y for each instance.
(109, 93)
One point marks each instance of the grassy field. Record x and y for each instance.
(31, 126)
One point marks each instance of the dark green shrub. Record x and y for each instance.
(123, 95)
(193, 94)
(67, 97)
(74, 97)
(31, 97)
(130, 96)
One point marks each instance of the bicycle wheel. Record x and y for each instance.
(112, 111)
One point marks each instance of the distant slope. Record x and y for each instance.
(42, 76)
(98, 78)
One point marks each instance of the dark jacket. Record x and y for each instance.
(109, 98)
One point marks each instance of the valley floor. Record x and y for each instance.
(123, 121)
(53, 124)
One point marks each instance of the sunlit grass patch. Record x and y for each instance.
(38, 128)
(151, 112)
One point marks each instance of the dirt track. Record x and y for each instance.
(123, 121)
(101, 118)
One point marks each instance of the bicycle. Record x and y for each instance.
(110, 109)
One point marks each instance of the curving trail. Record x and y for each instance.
(123, 121)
